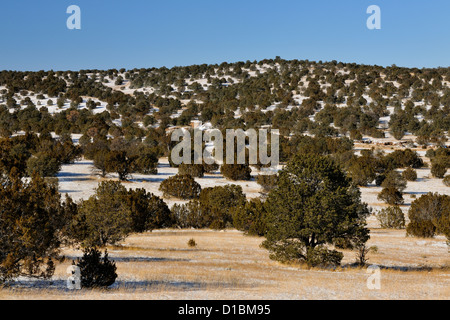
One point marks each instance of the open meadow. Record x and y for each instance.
(231, 266)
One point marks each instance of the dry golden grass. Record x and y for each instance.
(229, 265)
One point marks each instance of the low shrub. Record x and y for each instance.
(391, 218)
(96, 272)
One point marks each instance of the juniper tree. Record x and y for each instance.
(121, 163)
(148, 212)
(32, 224)
(96, 271)
(314, 205)
(194, 170)
(391, 218)
(430, 215)
(391, 196)
(440, 165)
(180, 186)
(104, 218)
(218, 204)
(44, 164)
(410, 174)
(393, 185)
(236, 172)
(251, 218)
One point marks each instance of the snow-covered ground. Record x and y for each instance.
(79, 181)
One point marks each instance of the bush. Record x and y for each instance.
(410, 174)
(32, 221)
(236, 172)
(44, 164)
(439, 167)
(250, 218)
(362, 171)
(209, 168)
(96, 272)
(391, 196)
(192, 243)
(146, 162)
(181, 186)
(218, 204)
(214, 208)
(119, 162)
(392, 218)
(194, 170)
(267, 182)
(148, 212)
(404, 158)
(429, 215)
(189, 215)
(394, 180)
(323, 257)
(103, 219)
(431, 153)
(447, 180)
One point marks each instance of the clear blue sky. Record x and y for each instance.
(147, 33)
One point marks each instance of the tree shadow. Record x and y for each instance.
(69, 191)
(136, 259)
(61, 285)
(209, 177)
(146, 180)
(391, 268)
(72, 177)
(417, 193)
(82, 163)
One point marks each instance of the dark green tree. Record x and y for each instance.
(218, 204)
(440, 165)
(391, 196)
(180, 186)
(121, 163)
(250, 218)
(96, 271)
(148, 212)
(236, 172)
(430, 215)
(103, 219)
(32, 224)
(313, 206)
(409, 174)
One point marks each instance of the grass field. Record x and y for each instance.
(231, 266)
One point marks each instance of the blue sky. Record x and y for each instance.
(147, 33)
